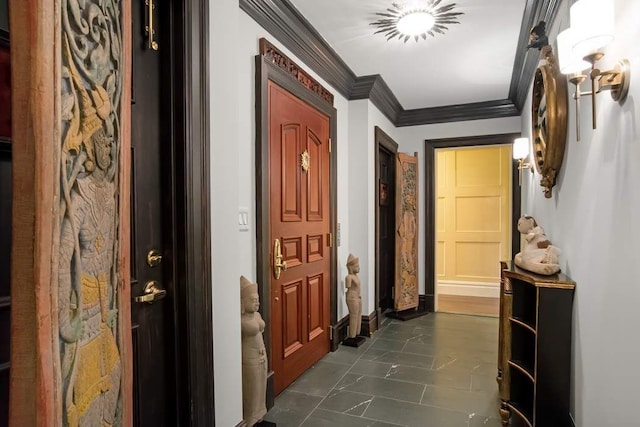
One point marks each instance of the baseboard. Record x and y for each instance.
(478, 306)
(270, 398)
(242, 423)
(470, 289)
(369, 324)
(339, 332)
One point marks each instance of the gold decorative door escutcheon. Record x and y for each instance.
(278, 264)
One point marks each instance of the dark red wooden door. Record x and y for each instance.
(299, 188)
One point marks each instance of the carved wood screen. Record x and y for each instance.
(68, 359)
(406, 283)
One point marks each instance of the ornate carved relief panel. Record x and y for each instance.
(406, 283)
(87, 295)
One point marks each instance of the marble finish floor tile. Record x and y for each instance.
(433, 371)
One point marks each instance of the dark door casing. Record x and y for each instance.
(386, 150)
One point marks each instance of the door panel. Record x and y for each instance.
(299, 219)
(154, 381)
(386, 215)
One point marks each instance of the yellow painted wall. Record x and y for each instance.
(473, 218)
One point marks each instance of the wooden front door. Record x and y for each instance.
(299, 218)
(153, 335)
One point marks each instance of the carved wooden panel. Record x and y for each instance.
(406, 289)
(314, 178)
(292, 251)
(292, 304)
(290, 67)
(88, 288)
(315, 248)
(291, 173)
(314, 306)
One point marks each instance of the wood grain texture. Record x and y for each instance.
(35, 126)
(462, 304)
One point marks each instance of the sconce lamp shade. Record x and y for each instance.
(520, 148)
(570, 61)
(593, 24)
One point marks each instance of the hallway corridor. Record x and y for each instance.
(434, 371)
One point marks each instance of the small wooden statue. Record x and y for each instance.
(354, 302)
(254, 355)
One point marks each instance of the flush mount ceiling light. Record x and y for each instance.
(416, 19)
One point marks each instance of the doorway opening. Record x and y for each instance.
(473, 227)
(431, 232)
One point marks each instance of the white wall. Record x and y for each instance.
(225, 244)
(234, 44)
(411, 139)
(593, 217)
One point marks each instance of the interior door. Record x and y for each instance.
(152, 307)
(299, 189)
(386, 233)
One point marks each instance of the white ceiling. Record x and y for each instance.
(472, 62)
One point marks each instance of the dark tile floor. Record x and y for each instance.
(434, 371)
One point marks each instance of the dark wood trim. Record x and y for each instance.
(278, 58)
(266, 71)
(526, 60)
(191, 195)
(369, 324)
(458, 113)
(339, 332)
(282, 20)
(429, 188)
(376, 89)
(382, 140)
(290, 27)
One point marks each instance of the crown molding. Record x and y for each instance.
(526, 60)
(376, 90)
(284, 22)
(458, 113)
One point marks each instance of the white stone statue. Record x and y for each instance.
(538, 254)
(254, 355)
(354, 300)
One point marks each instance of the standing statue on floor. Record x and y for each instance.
(354, 301)
(254, 355)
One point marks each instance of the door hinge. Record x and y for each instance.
(329, 144)
(393, 292)
(330, 238)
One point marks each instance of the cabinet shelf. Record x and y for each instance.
(522, 323)
(517, 409)
(534, 359)
(521, 366)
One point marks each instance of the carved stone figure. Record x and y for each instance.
(354, 300)
(87, 297)
(538, 255)
(254, 355)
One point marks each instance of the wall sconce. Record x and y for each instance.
(520, 153)
(592, 28)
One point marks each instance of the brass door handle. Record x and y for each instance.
(154, 258)
(152, 292)
(278, 264)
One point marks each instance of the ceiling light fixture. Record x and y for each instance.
(409, 20)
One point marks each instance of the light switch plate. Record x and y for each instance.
(243, 219)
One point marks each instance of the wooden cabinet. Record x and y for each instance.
(534, 355)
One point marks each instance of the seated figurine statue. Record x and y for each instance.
(538, 255)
